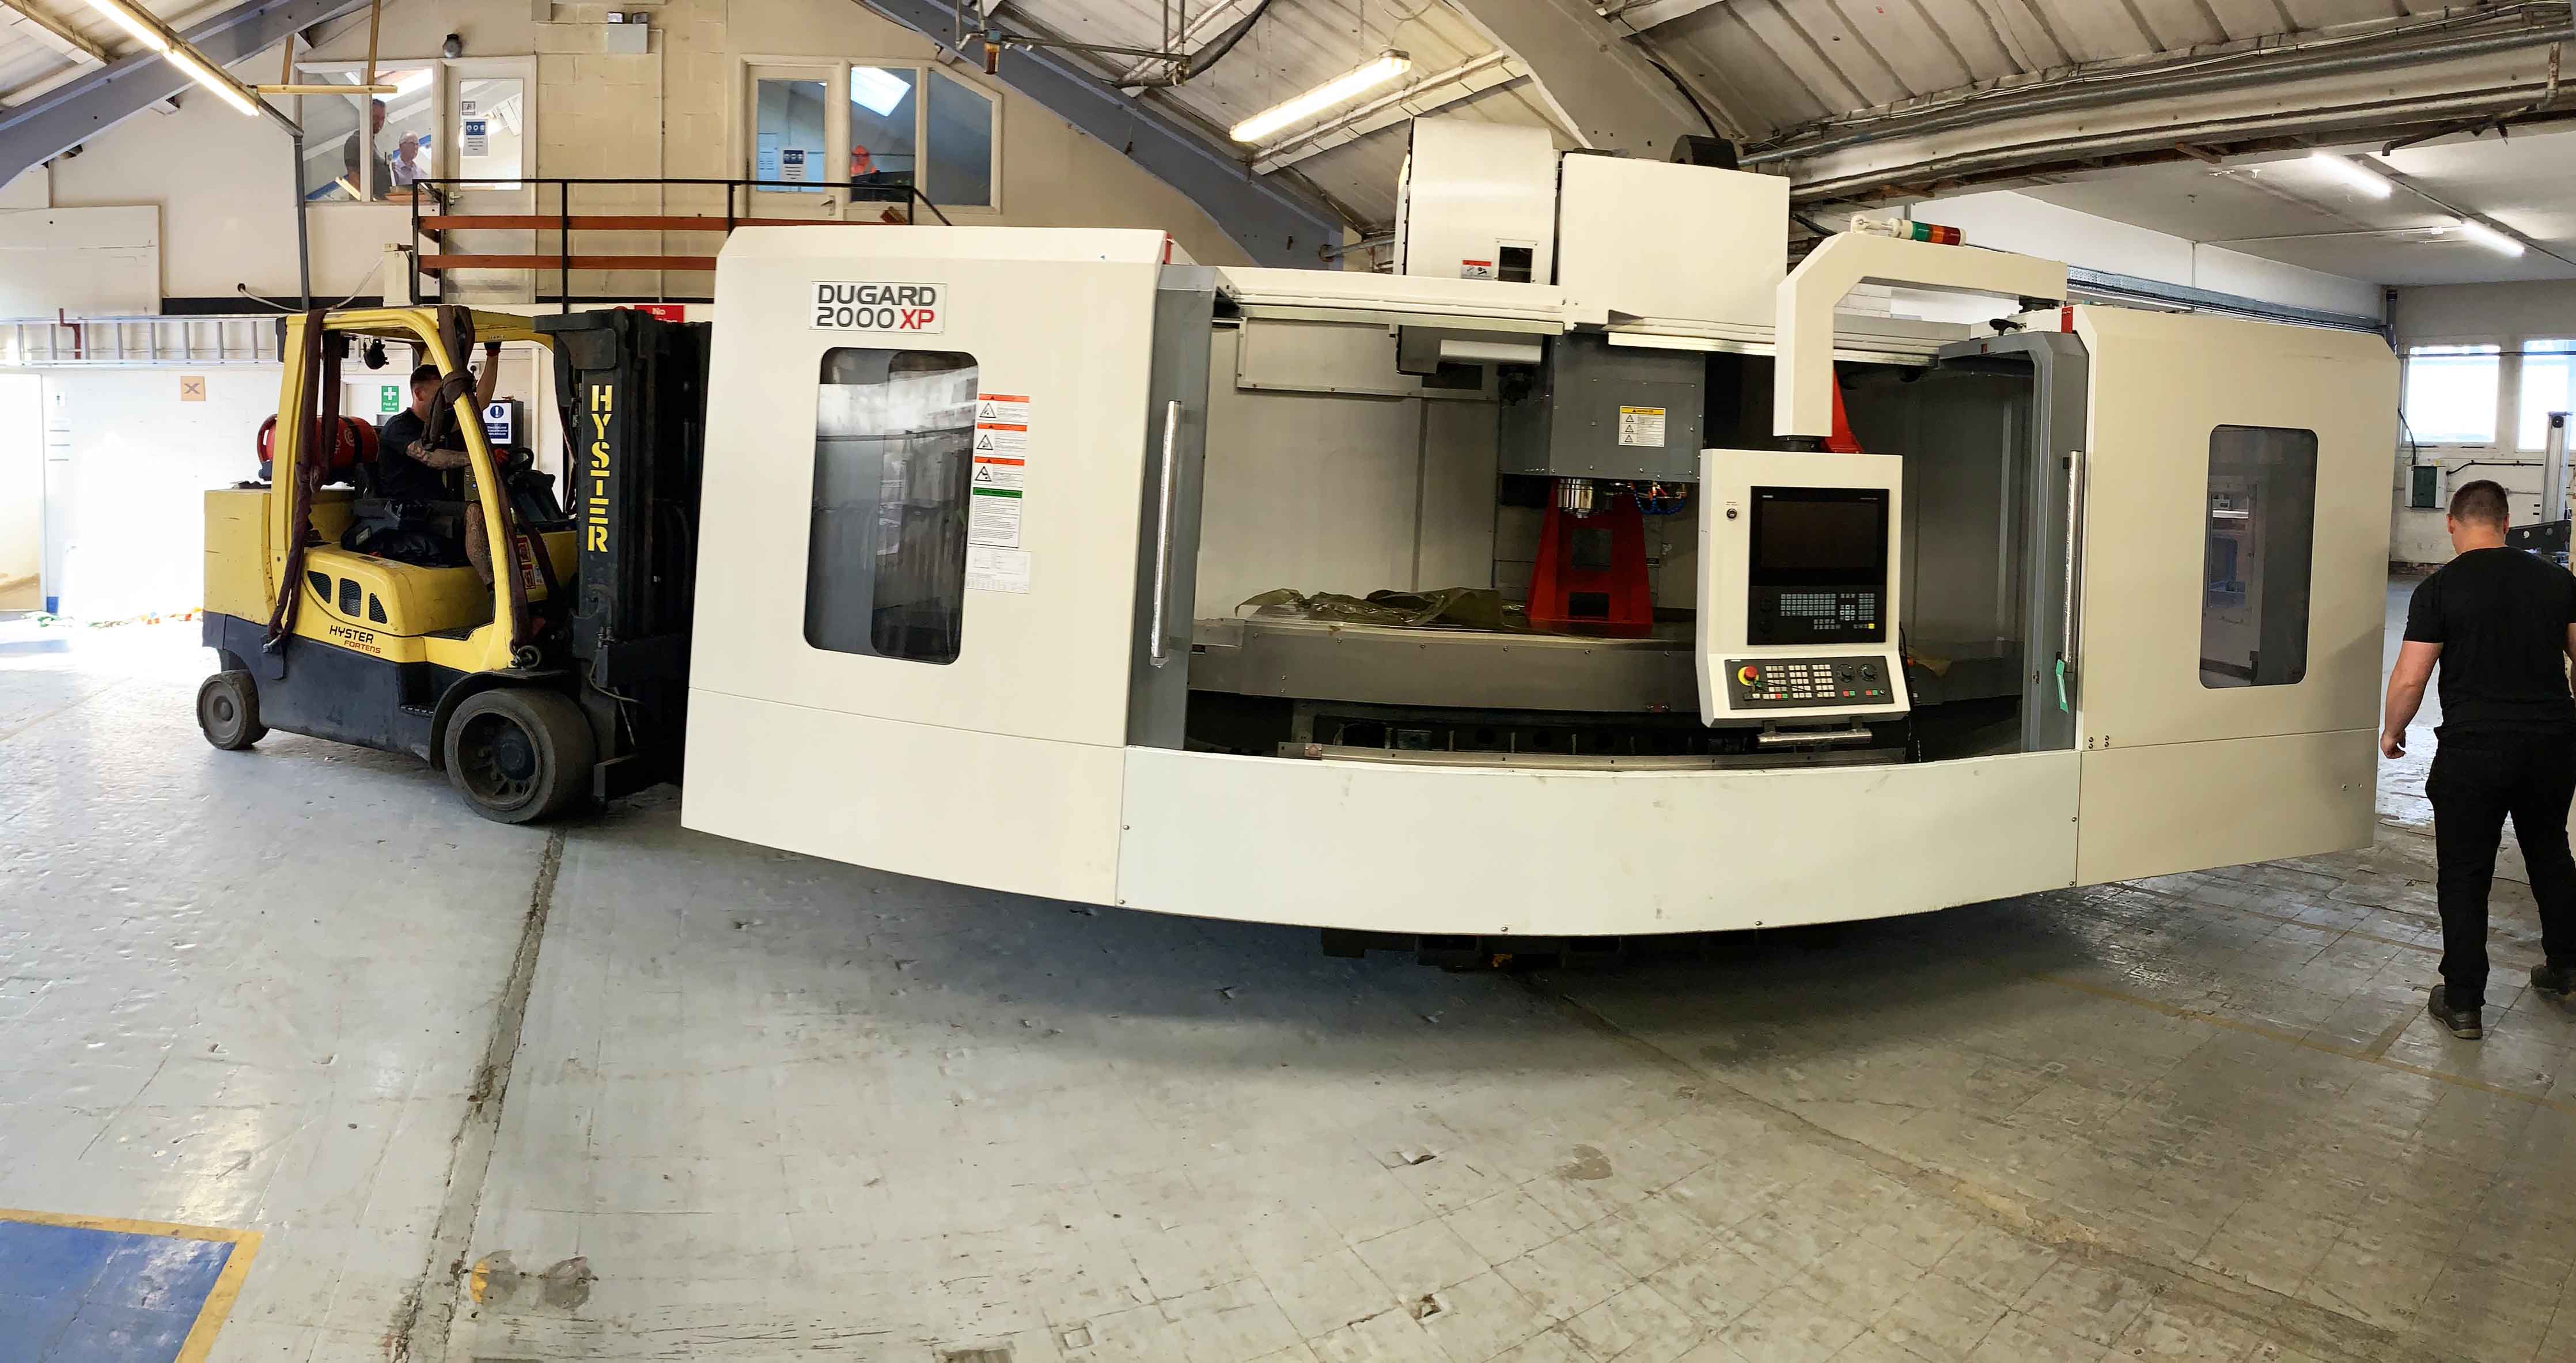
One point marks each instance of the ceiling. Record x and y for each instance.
(2287, 210)
(1766, 70)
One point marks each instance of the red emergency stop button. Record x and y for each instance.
(1747, 675)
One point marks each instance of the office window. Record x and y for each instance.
(917, 127)
(886, 572)
(2451, 393)
(2548, 385)
(362, 148)
(2261, 539)
(961, 144)
(787, 139)
(491, 114)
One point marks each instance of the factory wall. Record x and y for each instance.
(128, 465)
(22, 490)
(224, 183)
(2504, 315)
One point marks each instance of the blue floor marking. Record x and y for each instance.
(72, 1295)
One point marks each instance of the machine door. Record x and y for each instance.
(2235, 489)
(932, 519)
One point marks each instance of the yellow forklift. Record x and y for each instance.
(562, 680)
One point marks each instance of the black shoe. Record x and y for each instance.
(2556, 983)
(2463, 1022)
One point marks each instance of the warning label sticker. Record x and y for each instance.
(1475, 269)
(990, 569)
(993, 516)
(1009, 409)
(1641, 426)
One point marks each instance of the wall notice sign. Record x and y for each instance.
(478, 141)
(791, 164)
(389, 398)
(993, 516)
(877, 305)
(997, 570)
(1641, 426)
(192, 388)
(1475, 269)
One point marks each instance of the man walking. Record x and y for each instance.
(2502, 625)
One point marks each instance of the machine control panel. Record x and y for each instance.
(1806, 683)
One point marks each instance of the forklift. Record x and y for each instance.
(562, 681)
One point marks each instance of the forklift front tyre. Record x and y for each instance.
(519, 754)
(228, 711)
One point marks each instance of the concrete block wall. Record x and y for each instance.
(225, 185)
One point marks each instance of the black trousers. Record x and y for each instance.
(2478, 780)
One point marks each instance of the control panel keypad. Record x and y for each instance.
(1807, 683)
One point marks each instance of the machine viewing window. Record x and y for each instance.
(2262, 520)
(1818, 568)
(886, 572)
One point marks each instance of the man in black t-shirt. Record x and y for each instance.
(407, 470)
(2502, 625)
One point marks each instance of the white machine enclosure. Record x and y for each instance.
(1477, 201)
(1037, 760)
(1679, 249)
(1745, 680)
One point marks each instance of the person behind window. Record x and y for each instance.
(382, 186)
(871, 185)
(407, 469)
(407, 168)
(2502, 625)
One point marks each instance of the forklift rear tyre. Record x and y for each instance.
(228, 711)
(519, 755)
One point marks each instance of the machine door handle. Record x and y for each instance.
(1156, 652)
(2074, 532)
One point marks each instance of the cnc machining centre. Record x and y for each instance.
(2086, 595)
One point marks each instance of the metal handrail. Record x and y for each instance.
(564, 297)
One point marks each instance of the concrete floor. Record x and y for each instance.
(622, 1092)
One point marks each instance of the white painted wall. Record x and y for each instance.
(225, 183)
(22, 487)
(2507, 315)
(131, 467)
(84, 262)
(2016, 222)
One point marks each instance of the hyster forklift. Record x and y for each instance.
(562, 680)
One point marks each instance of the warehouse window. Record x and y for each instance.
(360, 148)
(2451, 393)
(2261, 536)
(490, 132)
(886, 572)
(2548, 385)
(787, 136)
(918, 127)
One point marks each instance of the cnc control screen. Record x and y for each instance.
(1819, 565)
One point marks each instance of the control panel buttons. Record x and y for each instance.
(1813, 683)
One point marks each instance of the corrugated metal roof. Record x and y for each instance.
(29, 55)
(1774, 65)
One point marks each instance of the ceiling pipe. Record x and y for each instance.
(2122, 92)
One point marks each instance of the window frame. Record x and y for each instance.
(2504, 398)
(2263, 556)
(836, 96)
(439, 105)
(448, 75)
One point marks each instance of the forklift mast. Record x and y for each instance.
(633, 395)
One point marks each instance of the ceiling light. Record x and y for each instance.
(1338, 90)
(222, 85)
(2351, 173)
(877, 90)
(2489, 238)
(143, 30)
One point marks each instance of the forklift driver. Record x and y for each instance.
(409, 471)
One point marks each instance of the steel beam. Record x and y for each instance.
(1272, 223)
(56, 34)
(1601, 84)
(54, 122)
(1645, 14)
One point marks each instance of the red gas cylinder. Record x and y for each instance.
(356, 445)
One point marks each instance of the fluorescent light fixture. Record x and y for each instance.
(2351, 173)
(877, 90)
(2489, 238)
(1338, 90)
(222, 85)
(144, 30)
